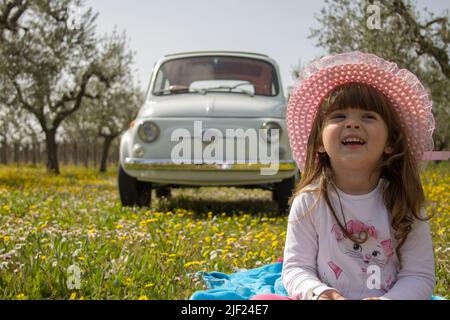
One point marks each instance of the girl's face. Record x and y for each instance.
(354, 138)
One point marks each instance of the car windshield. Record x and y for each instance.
(216, 74)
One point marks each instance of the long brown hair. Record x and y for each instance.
(402, 189)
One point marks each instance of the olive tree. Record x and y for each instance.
(107, 117)
(397, 31)
(50, 55)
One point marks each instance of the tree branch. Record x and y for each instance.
(440, 20)
(425, 45)
(27, 106)
(24, 103)
(9, 19)
(78, 97)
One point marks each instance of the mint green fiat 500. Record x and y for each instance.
(209, 119)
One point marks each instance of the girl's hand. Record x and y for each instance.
(331, 295)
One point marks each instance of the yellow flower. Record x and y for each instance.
(119, 226)
(73, 296)
(43, 258)
(188, 264)
(21, 296)
(142, 222)
(259, 234)
(6, 238)
(149, 285)
(143, 297)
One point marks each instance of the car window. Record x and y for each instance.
(223, 73)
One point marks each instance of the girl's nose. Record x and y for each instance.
(352, 124)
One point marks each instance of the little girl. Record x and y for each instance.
(357, 228)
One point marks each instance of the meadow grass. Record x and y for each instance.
(51, 227)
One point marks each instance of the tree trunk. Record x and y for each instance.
(94, 152)
(34, 156)
(86, 153)
(64, 152)
(16, 152)
(4, 158)
(26, 155)
(75, 153)
(106, 144)
(52, 151)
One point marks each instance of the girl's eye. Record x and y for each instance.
(337, 116)
(370, 116)
(376, 253)
(356, 247)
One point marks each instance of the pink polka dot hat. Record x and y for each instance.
(406, 93)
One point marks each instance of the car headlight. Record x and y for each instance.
(148, 131)
(271, 131)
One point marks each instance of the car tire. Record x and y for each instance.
(283, 192)
(132, 191)
(274, 195)
(163, 192)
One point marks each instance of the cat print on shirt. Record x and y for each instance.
(373, 251)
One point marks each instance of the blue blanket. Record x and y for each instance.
(242, 285)
(245, 284)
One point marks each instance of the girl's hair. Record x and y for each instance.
(402, 190)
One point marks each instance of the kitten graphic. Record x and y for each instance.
(373, 252)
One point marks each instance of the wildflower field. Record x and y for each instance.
(67, 236)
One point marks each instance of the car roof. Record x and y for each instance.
(217, 52)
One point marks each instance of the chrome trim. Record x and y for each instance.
(167, 164)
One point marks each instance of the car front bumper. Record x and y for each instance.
(166, 171)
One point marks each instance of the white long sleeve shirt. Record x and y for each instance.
(318, 256)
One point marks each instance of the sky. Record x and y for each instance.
(278, 28)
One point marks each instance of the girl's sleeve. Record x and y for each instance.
(299, 273)
(416, 279)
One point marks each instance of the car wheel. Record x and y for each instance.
(163, 192)
(274, 196)
(132, 191)
(283, 192)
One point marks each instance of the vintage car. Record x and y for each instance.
(213, 118)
